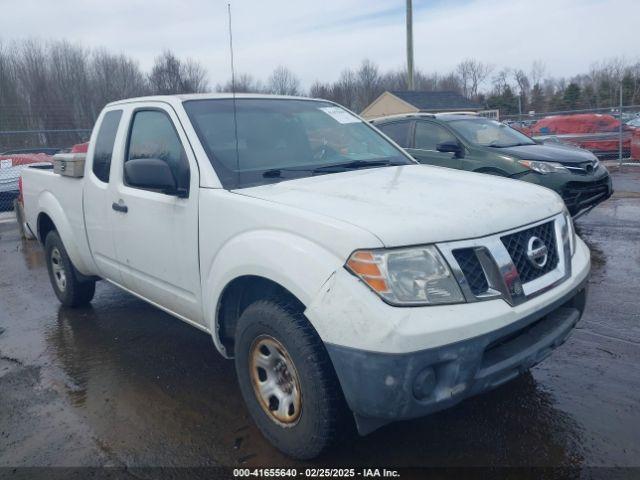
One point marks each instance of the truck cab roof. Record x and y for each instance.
(444, 116)
(173, 99)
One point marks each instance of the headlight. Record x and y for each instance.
(571, 232)
(544, 167)
(407, 276)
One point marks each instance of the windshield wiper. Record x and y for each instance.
(335, 167)
(277, 172)
(495, 144)
(357, 164)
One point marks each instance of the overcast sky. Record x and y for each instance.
(317, 39)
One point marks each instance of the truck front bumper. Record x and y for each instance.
(579, 192)
(383, 387)
(397, 363)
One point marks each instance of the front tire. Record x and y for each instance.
(70, 291)
(287, 380)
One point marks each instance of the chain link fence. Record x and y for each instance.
(19, 148)
(610, 133)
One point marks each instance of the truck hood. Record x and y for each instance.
(549, 152)
(416, 204)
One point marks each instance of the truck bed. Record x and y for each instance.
(45, 194)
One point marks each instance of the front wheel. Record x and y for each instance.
(70, 291)
(287, 380)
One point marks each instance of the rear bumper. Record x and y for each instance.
(383, 387)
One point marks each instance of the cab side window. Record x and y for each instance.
(429, 135)
(105, 140)
(398, 132)
(153, 135)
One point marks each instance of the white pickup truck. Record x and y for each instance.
(338, 273)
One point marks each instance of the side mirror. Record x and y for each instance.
(450, 146)
(151, 173)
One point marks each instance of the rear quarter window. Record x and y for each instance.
(398, 132)
(105, 140)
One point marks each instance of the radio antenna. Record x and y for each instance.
(233, 94)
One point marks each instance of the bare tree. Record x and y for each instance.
(114, 77)
(63, 86)
(244, 83)
(283, 82)
(501, 80)
(450, 82)
(369, 84)
(12, 105)
(345, 90)
(427, 82)
(195, 77)
(523, 86)
(166, 75)
(537, 73)
(634, 72)
(169, 75)
(69, 82)
(472, 75)
(60, 85)
(320, 90)
(38, 90)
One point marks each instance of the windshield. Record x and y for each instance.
(489, 133)
(279, 139)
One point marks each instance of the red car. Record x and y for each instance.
(591, 131)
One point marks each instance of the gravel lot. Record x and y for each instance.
(121, 383)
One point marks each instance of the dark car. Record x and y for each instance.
(477, 144)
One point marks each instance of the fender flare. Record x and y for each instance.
(49, 205)
(292, 261)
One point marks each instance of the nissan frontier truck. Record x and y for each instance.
(346, 281)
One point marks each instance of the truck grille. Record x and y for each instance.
(472, 270)
(517, 243)
(507, 265)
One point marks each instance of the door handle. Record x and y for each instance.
(119, 207)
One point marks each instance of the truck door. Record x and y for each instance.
(427, 136)
(156, 233)
(97, 193)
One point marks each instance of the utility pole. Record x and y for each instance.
(520, 106)
(620, 129)
(409, 45)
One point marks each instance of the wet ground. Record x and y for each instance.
(121, 383)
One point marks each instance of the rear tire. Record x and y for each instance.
(303, 379)
(63, 276)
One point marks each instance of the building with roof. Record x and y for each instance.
(398, 102)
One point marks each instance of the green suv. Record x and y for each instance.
(477, 144)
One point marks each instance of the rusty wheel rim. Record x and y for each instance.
(275, 380)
